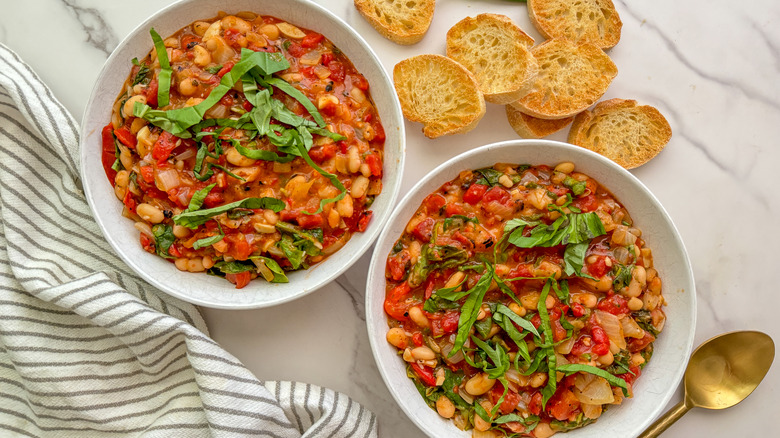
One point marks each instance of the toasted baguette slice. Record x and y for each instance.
(621, 130)
(439, 93)
(497, 52)
(571, 78)
(584, 21)
(530, 127)
(401, 21)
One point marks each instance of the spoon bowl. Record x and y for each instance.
(721, 373)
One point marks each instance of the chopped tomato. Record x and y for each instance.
(189, 41)
(240, 248)
(309, 221)
(360, 82)
(425, 373)
(240, 280)
(579, 347)
(598, 268)
(535, 405)
(417, 338)
(247, 106)
(397, 302)
(162, 148)
(616, 305)
(586, 203)
(227, 100)
(563, 404)
(336, 71)
(311, 40)
(474, 193)
(434, 202)
(452, 209)
(365, 218)
(326, 58)
(295, 49)
(397, 265)
(424, 229)
(150, 92)
(577, 309)
(233, 36)
(636, 345)
(213, 199)
(320, 154)
(126, 137)
(374, 164)
(108, 156)
(174, 251)
(511, 399)
(129, 201)
(147, 173)
(226, 68)
(146, 243)
(497, 194)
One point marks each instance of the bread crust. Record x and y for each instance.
(623, 131)
(571, 78)
(403, 22)
(439, 93)
(593, 21)
(531, 127)
(496, 51)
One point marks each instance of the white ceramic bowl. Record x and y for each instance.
(659, 379)
(203, 289)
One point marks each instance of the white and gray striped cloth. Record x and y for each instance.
(87, 349)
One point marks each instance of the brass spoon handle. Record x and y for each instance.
(666, 420)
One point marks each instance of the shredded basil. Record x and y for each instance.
(193, 219)
(576, 187)
(197, 199)
(572, 368)
(163, 239)
(164, 77)
(489, 176)
(470, 308)
(277, 271)
(208, 241)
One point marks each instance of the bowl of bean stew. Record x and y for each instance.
(529, 288)
(242, 154)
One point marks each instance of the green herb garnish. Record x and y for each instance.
(192, 219)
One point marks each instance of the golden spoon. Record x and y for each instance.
(721, 373)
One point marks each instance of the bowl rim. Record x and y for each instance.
(377, 268)
(376, 225)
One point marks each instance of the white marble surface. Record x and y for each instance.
(711, 66)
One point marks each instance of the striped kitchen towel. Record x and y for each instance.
(87, 349)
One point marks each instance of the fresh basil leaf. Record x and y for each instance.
(514, 334)
(196, 202)
(470, 309)
(489, 176)
(208, 241)
(163, 239)
(549, 390)
(483, 327)
(214, 69)
(621, 363)
(435, 257)
(300, 97)
(574, 259)
(234, 267)
(645, 320)
(435, 304)
(291, 252)
(192, 219)
(331, 177)
(517, 319)
(164, 77)
(314, 236)
(143, 72)
(570, 228)
(239, 213)
(260, 154)
(458, 219)
(572, 368)
(277, 271)
(576, 187)
(621, 275)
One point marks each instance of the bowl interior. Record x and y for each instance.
(203, 289)
(659, 379)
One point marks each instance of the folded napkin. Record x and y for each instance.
(87, 349)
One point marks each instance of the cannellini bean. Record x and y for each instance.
(407, 355)
(518, 309)
(202, 56)
(149, 213)
(345, 207)
(212, 31)
(543, 430)
(484, 311)
(264, 228)
(125, 157)
(136, 125)
(357, 95)
(359, 187)
(538, 379)
(602, 285)
(635, 304)
(606, 359)
(120, 192)
(353, 159)
(565, 167)
(506, 181)
(235, 158)
(200, 27)
(445, 407)
(180, 231)
(270, 217)
(423, 353)
(416, 314)
(530, 300)
(340, 162)
(231, 21)
(122, 178)
(195, 265)
(326, 100)
(480, 424)
(181, 264)
(208, 262)
(455, 278)
(334, 218)
(397, 337)
(479, 384)
(270, 31)
(290, 31)
(127, 109)
(188, 87)
(587, 299)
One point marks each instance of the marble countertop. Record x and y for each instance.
(711, 68)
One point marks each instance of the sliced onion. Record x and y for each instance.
(337, 245)
(445, 352)
(189, 152)
(591, 411)
(218, 112)
(566, 346)
(311, 58)
(611, 325)
(622, 255)
(528, 177)
(322, 72)
(167, 179)
(597, 392)
(631, 329)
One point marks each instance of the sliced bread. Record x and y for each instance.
(591, 21)
(497, 52)
(531, 127)
(401, 21)
(439, 93)
(571, 78)
(626, 133)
